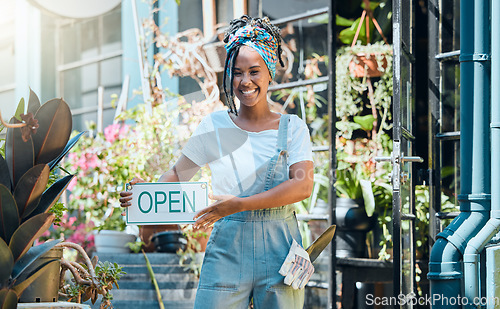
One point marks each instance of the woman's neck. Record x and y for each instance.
(256, 120)
(254, 113)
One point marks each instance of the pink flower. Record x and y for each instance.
(124, 131)
(72, 184)
(92, 160)
(71, 220)
(115, 131)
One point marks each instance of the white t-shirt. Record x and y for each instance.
(238, 158)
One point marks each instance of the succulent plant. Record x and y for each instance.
(35, 143)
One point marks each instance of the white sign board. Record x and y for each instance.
(166, 203)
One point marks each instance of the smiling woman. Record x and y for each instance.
(261, 163)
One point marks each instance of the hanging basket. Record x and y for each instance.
(363, 65)
(216, 55)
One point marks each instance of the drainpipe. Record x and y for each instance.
(476, 245)
(445, 269)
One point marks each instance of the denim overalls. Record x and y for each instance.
(246, 249)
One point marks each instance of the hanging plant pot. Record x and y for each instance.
(366, 65)
(216, 55)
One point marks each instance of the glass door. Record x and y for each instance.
(403, 178)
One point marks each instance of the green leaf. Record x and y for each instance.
(30, 188)
(55, 123)
(346, 36)
(366, 122)
(51, 196)
(33, 103)
(368, 198)
(31, 256)
(6, 262)
(28, 232)
(8, 214)
(19, 110)
(5, 174)
(319, 19)
(18, 154)
(343, 22)
(23, 284)
(8, 299)
(373, 5)
(66, 149)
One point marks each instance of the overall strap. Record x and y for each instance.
(283, 132)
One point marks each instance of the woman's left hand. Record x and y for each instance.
(224, 205)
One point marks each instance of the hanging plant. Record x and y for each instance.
(351, 89)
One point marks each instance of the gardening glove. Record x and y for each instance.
(297, 268)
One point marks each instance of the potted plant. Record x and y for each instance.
(90, 278)
(35, 143)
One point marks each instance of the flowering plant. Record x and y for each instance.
(105, 162)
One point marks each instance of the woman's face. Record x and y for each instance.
(251, 77)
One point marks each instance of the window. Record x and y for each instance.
(7, 59)
(89, 56)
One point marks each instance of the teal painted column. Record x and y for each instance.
(168, 18)
(445, 267)
(130, 59)
(477, 244)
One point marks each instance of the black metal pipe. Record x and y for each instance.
(332, 51)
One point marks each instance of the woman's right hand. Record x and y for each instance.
(126, 196)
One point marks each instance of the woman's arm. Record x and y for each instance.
(183, 170)
(297, 188)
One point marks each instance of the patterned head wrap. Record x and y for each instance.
(260, 40)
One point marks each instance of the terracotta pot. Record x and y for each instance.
(146, 233)
(366, 66)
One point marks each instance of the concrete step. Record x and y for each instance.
(177, 285)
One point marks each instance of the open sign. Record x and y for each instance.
(166, 203)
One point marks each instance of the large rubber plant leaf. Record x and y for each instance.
(18, 153)
(31, 256)
(55, 122)
(9, 217)
(23, 284)
(23, 238)
(6, 262)
(30, 188)
(33, 103)
(8, 299)
(72, 142)
(5, 174)
(51, 196)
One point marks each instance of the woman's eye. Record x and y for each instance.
(254, 72)
(237, 73)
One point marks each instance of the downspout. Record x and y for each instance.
(476, 245)
(445, 269)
